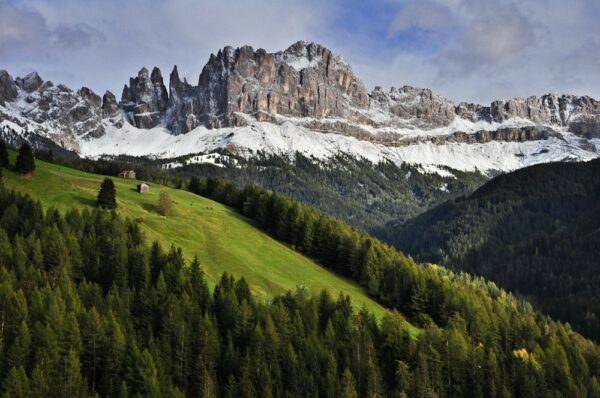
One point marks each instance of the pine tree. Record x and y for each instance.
(18, 350)
(4, 161)
(403, 377)
(195, 186)
(73, 383)
(348, 386)
(16, 384)
(107, 197)
(25, 162)
(422, 385)
(148, 375)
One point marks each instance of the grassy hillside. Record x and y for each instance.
(223, 239)
(365, 195)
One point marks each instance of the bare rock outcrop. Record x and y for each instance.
(307, 85)
(306, 80)
(30, 83)
(8, 88)
(419, 104)
(110, 106)
(145, 100)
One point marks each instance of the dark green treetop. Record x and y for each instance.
(107, 197)
(4, 161)
(25, 161)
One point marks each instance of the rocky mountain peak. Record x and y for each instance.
(109, 104)
(145, 99)
(306, 80)
(29, 83)
(156, 76)
(308, 85)
(176, 86)
(304, 54)
(174, 79)
(8, 88)
(143, 74)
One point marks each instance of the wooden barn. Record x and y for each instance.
(127, 174)
(143, 188)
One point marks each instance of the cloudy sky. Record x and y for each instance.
(467, 50)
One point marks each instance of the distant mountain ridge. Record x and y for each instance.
(315, 91)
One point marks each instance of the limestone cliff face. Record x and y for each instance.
(418, 104)
(306, 80)
(145, 100)
(317, 89)
(306, 84)
(110, 106)
(8, 88)
(548, 109)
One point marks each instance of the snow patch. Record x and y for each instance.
(211, 158)
(287, 139)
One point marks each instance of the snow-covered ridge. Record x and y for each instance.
(287, 139)
(303, 99)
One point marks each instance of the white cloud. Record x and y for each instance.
(469, 50)
(500, 49)
(425, 15)
(113, 39)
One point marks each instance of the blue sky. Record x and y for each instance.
(467, 50)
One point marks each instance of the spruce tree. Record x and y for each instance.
(348, 386)
(16, 384)
(25, 161)
(107, 197)
(3, 154)
(195, 186)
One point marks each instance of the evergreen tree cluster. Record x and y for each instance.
(430, 296)
(533, 231)
(88, 307)
(25, 163)
(366, 195)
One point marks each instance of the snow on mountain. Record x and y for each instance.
(288, 138)
(303, 99)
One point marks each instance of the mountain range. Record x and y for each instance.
(305, 99)
(271, 180)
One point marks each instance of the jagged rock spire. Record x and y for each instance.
(146, 99)
(8, 88)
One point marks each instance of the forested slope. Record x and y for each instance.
(363, 194)
(535, 231)
(227, 241)
(89, 305)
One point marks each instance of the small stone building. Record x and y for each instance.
(143, 188)
(127, 174)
